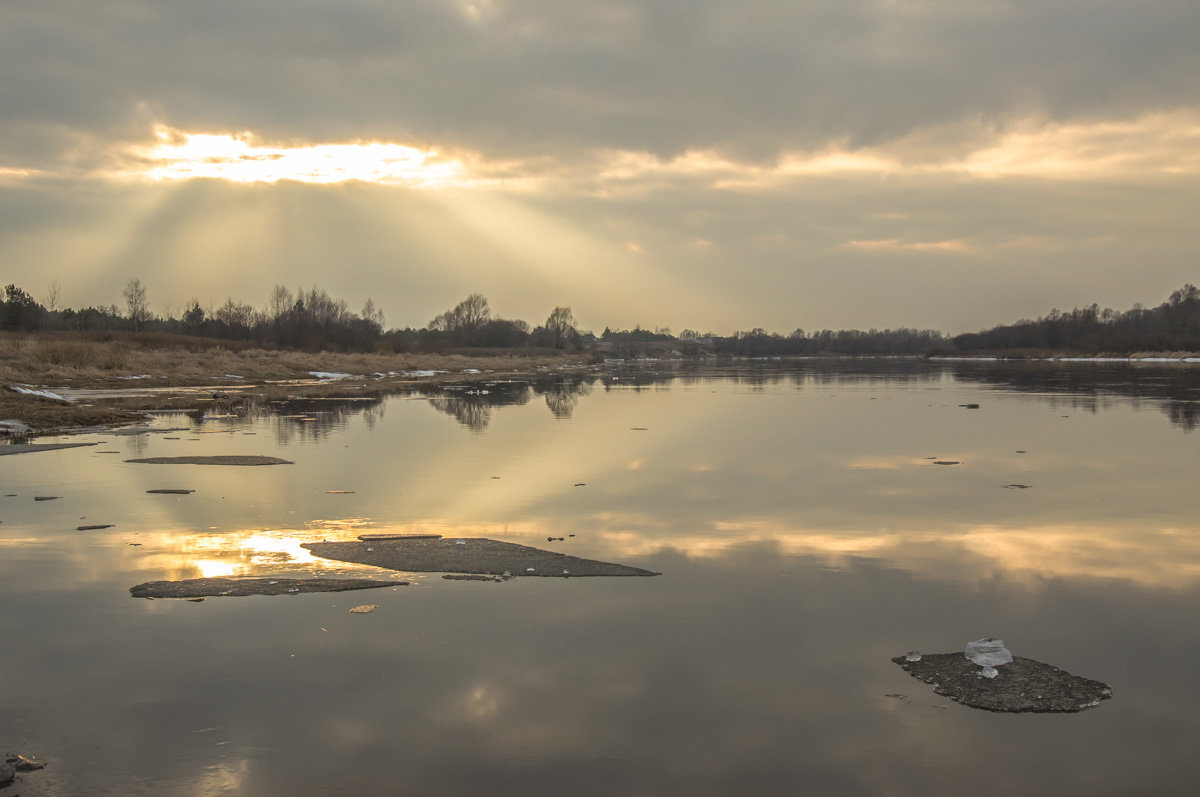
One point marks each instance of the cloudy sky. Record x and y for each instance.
(715, 165)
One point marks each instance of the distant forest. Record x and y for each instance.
(1173, 326)
(313, 320)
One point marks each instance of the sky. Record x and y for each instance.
(717, 166)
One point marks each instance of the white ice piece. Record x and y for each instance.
(330, 376)
(989, 672)
(988, 652)
(14, 428)
(43, 393)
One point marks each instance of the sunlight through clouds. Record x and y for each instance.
(1166, 144)
(240, 158)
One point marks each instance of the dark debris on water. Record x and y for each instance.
(1022, 685)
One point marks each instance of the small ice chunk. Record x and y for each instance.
(460, 542)
(28, 391)
(988, 652)
(912, 655)
(989, 672)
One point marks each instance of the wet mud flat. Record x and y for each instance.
(32, 448)
(243, 587)
(1022, 685)
(473, 555)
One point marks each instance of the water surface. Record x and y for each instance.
(804, 535)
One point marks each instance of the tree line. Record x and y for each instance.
(1172, 326)
(308, 319)
(311, 319)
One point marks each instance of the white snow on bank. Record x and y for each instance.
(14, 428)
(330, 376)
(423, 373)
(43, 393)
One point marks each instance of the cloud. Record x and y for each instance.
(858, 163)
(527, 77)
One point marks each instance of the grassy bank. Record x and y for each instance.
(133, 362)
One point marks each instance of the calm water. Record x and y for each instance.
(804, 536)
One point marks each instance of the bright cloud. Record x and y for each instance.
(1162, 144)
(240, 158)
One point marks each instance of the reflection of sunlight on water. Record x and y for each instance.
(206, 554)
(1164, 558)
(481, 702)
(214, 568)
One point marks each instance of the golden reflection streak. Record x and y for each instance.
(1165, 557)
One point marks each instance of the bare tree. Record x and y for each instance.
(471, 312)
(280, 302)
(135, 301)
(372, 314)
(53, 296)
(561, 326)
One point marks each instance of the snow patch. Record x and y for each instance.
(34, 392)
(14, 428)
(330, 376)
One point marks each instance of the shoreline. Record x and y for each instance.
(48, 387)
(45, 391)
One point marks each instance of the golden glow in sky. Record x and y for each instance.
(240, 158)
(1159, 143)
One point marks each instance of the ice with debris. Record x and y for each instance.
(988, 652)
(330, 376)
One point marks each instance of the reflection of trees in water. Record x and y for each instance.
(471, 405)
(137, 444)
(473, 413)
(295, 419)
(561, 397)
(374, 414)
(1082, 387)
(1185, 416)
(313, 419)
(1172, 388)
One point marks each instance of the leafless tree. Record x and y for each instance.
(561, 326)
(135, 301)
(471, 312)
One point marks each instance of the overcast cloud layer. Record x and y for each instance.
(945, 163)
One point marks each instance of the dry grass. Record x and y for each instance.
(77, 362)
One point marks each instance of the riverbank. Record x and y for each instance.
(48, 383)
